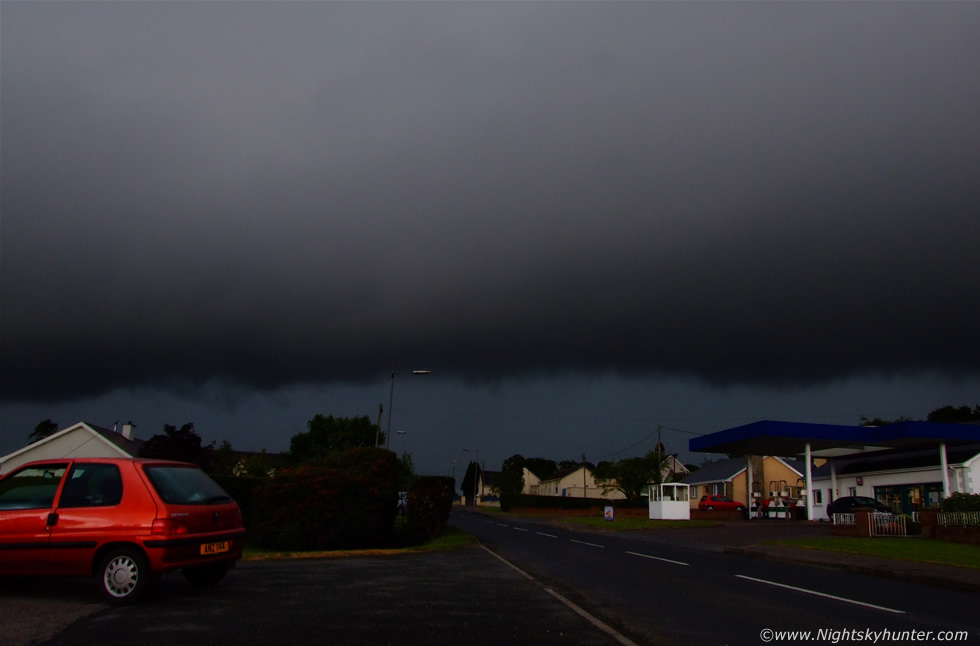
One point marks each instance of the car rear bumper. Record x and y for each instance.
(174, 552)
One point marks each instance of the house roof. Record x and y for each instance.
(827, 440)
(567, 471)
(897, 460)
(720, 471)
(129, 447)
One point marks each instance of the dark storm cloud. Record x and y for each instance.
(271, 193)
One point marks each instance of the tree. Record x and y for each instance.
(510, 480)
(951, 415)
(327, 435)
(225, 459)
(470, 480)
(877, 421)
(182, 445)
(631, 476)
(43, 430)
(406, 471)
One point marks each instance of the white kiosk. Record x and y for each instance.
(670, 501)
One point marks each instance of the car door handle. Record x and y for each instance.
(52, 519)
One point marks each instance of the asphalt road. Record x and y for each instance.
(462, 597)
(531, 583)
(659, 592)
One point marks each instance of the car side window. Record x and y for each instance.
(92, 485)
(31, 488)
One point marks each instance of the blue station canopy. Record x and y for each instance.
(830, 440)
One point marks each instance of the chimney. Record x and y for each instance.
(127, 431)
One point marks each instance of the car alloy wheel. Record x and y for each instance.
(124, 574)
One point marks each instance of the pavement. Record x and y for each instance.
(746, 538)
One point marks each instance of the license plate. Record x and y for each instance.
(214, 548)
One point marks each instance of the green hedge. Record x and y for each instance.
(348, 501)
(960, 502)
(524, 501)
(430, 499)
(242, 490)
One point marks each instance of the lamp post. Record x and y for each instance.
(391, 397)
(476, 471)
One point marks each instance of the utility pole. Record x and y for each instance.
(377, 434)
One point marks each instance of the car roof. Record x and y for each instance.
(147, 461)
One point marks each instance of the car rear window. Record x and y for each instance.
(179, 485)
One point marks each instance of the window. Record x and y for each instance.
(817, 497)
(185, 486)
(32, 488)
(92, 485)
(852, 491)
(694, 491)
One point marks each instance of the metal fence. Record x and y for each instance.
(844, 519)
(959, 519)
(887, 525)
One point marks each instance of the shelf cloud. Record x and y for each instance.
(273, 194)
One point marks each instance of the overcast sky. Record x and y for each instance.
(587, 219)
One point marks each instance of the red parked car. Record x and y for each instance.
(123, 521)
(719, 502)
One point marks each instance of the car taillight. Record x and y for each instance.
(168, 527)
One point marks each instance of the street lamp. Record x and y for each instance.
(391, 397)
(476, 471)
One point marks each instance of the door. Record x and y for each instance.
(88, 512)
(27, 498)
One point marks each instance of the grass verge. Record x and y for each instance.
(901, 549)
(622, 523)
(625, 524)
(450, 539)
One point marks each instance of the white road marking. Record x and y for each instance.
(821, 594)
(584, 543)
(520, 529)
(595, 621)
(657, 558)
(546, 535)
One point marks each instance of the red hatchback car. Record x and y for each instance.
(123, 521)
(719, 502)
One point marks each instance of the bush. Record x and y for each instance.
(242, 490)
(959, 502)
(346, 501)
(430, 499)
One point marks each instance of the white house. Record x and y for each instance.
(531, 482)
(575, 482)
(905, 480)
(80, 440)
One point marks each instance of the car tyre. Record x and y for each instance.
(124, 575)
(710, 508)
(740, 508)
(205, 576)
